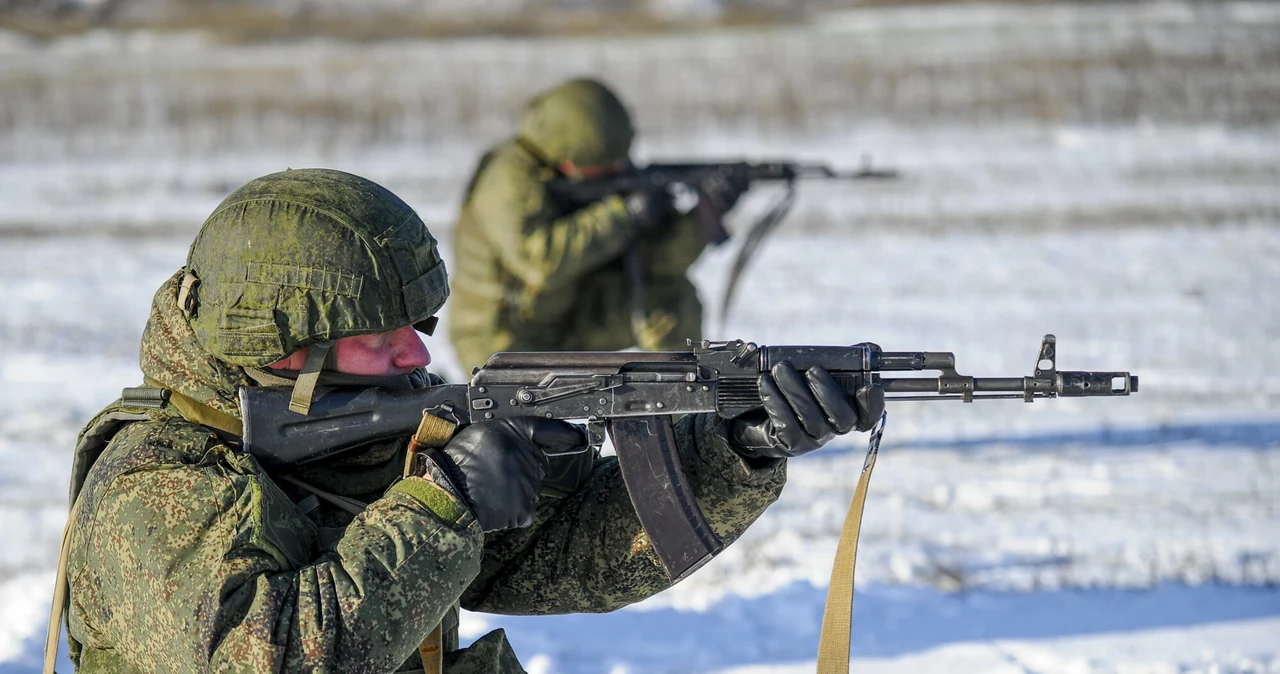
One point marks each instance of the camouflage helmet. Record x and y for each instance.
(580, 121)
(304, 257)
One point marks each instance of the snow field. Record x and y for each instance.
(1102, 172)
(1173, 488)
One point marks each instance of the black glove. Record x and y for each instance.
(802, 413)
(651, 210)
(496, 467)
(723, 189)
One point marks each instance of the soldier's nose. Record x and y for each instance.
(410, 352)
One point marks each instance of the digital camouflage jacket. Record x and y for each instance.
(187, 557)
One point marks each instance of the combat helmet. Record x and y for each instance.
(580, 121)
(297, 259)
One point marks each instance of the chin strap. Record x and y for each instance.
(305, 386)
(837, 619)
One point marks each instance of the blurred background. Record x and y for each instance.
(1105, 171)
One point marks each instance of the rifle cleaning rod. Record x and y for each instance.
(986, 396)
(939, 384)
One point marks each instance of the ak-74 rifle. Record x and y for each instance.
(633, 396)
(688, 177)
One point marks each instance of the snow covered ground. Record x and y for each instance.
(1067, 535)
(1128, 535)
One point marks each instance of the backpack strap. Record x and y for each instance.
(59, 606)
(197, 412)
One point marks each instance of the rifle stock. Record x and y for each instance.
(634, 395)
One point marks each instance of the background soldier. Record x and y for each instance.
(187, 556)
(535, 272)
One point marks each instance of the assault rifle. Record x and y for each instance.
(632, 396)
(689, 177)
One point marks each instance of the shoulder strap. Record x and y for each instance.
(197, 412)
(56, 611)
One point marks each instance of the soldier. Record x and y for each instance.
(534, 273)
(185, 555)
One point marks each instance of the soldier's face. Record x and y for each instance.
(385, 353)
(381, 354)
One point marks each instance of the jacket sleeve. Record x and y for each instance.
(204, 568)
(588, 553)
(532, 240)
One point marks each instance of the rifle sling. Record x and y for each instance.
(342, 502)
(751, 242)
(635, 282)
(433, 433)
(837, 617)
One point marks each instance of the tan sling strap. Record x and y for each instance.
(54, 635)
(433, 432)
(837, 618)
(431, 650)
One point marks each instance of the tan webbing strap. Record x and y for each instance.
(309, 377)
(431, 650)
(837, 618)
(199, 413)
(267, 377)
(59, 607)
(186, 298)
(433, 432)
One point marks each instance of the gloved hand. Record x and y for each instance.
(802, 413)
(723, 189)
(651, 210)
(497, 466)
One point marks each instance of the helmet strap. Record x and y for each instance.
(305, 386)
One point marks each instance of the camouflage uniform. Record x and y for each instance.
(532, 273)
(187, 556)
